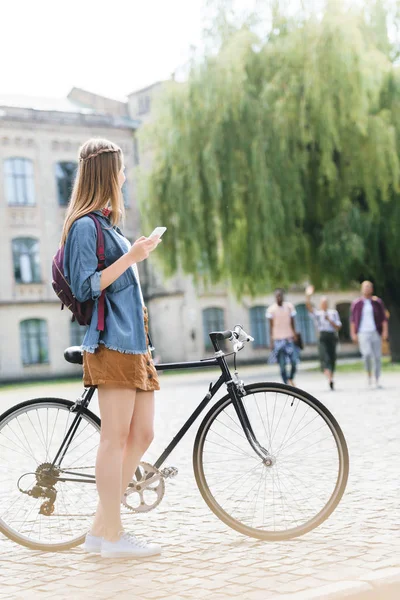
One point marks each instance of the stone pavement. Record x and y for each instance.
(356, 553)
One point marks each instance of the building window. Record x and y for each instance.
(34, 342)
(344, 313)
(76, 333)
(136, 156)
(144, 104)
(26, 260)
(259, 326)
(305, 325)
(19, 184)
(213, 320)
(65, 175)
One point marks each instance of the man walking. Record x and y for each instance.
(368, 325)
(283, 335)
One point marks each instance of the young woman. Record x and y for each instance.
(117, 359)
(328, 323)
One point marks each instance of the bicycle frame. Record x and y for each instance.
(234, 392)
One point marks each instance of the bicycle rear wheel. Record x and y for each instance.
(30, 435)
(309, 470)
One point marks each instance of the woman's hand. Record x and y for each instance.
(141, 249)
(309, 290)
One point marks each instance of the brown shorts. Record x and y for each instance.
(135, 371)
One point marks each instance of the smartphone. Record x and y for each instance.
(158, 232)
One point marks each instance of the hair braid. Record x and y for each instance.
(101, 151)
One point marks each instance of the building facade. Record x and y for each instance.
(39, 141)
(39, 144)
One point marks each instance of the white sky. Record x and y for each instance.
(111, 48)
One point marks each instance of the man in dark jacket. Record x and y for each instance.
(368, 326)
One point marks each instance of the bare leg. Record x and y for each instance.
(140, 435)
(139, 439)
(116, 410)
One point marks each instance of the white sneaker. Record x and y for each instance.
(128, 545)
(92, 544)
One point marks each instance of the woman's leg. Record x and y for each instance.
(116, 410)
(328, 349)
(334, 354)
(141, 435)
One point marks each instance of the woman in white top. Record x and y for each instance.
(328, 323)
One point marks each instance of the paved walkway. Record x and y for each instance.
(357, 547)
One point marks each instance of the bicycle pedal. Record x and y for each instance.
(169, 472)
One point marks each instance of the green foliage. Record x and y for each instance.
(278, 159)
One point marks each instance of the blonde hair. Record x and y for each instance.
(96, 183)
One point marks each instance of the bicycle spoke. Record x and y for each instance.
(29, 439)
(280, 418)
(291, 491)
(229, 442)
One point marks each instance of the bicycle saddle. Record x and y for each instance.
(73, 354)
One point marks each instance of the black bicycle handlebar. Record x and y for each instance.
(222, 335)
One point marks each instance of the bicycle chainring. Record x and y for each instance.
(144, 495)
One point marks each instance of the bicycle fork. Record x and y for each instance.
(238, 405)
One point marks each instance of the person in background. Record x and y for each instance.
(368, 326)
(328, 323)
(283, 336)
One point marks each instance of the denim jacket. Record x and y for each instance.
(124, 322)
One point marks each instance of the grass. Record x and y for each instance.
(39, 382)
(358, 366)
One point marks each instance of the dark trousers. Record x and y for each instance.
(327, 350)
(282, 356)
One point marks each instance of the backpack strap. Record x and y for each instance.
(100, 266)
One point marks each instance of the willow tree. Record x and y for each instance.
(278, 159)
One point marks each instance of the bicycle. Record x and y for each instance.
(269, 460)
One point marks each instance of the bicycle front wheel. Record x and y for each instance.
(37, 508)
(309, 463)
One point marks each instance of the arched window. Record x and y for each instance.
(26, 260)
(259, 326)
(65, 175)
(305, 325)
(18, 182)
(213, 320)
(343, 309)
(34, 342)
(76, 333)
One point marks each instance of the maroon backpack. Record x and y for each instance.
(81, 311)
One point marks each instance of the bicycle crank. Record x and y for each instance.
(146, 493)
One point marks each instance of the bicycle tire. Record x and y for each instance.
(213, 504)
(10, 533)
